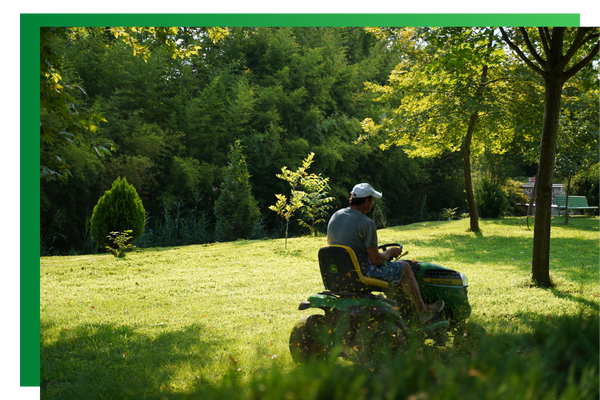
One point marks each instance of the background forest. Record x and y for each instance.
(168, 117)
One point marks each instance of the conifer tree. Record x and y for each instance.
(236, 209)
(119, 209)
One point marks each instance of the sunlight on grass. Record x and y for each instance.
(497, 262)
(168, 319)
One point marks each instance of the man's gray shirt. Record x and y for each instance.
(349, 227)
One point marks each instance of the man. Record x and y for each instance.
(351, 227)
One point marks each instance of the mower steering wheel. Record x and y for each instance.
(385, 246)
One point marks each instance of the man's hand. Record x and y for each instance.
(377, 258)
(392, 252)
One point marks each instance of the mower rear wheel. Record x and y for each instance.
(382, 339)
(309, 339)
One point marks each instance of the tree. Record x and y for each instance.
(283, 92)
(120, 209)
(447, 97)
(62, 119)
(315, 200)
(236, 209)
(58, 98)
(312, 201)
(567, 51)
(282, 207)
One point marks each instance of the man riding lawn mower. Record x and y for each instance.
(429, 298)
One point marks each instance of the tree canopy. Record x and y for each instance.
(450, 92)
(162, 107)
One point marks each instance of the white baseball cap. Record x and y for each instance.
(365, 190)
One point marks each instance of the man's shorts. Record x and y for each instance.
(388, 271)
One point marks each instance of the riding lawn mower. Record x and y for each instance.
(360, 324)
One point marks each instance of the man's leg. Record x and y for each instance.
(410, 287)
(408, 284)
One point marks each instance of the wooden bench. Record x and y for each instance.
(575, 203)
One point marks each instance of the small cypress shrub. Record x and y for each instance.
(236, 210)
(118, 210)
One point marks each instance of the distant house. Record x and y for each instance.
(557, 189)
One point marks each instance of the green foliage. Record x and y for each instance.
(568, 353)
(282, 207)
(449, 213)
(77, 195)
(308, 194)
(187, 175)
(491, 199)
(434, 91)
(63, 119)
(120, 242)
(284, 93)
(577, 143)
(236, 209)
(51, 234)
(490, 373)
(119, 209)
(443, 96)
(315, 202)
(286, 209)
(586, 183)
(379, 217)
(516, 198)
(180, 223)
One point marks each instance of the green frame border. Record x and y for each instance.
(29, 117)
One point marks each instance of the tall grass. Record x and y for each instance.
(51, 234)
(185, 320)
(178, 225)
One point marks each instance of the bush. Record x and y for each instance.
(516, 198)
(585, 183)
(491, 199)
(236, 210)
(118, 210)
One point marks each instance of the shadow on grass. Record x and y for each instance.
(110, 361)
(514, 251)
(574, 299)
(573, 261)
(559, 360)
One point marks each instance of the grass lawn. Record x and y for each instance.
(168, 320)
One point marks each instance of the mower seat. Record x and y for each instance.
(341, 272)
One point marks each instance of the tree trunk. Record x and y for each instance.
(540, 263)
(466, 153)
(567, 200)
(466, 150)
(532, 198)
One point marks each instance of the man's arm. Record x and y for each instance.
(377, 258)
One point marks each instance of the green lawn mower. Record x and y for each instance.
(359, 324)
